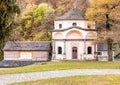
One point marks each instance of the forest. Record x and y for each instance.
(33, 20)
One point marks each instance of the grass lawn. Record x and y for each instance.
(47, 66)
(77, 80)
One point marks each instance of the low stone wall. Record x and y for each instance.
(14, 63)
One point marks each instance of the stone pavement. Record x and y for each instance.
(14, 78)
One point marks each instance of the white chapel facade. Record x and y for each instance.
(73, 37)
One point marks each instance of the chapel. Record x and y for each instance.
(73, 37)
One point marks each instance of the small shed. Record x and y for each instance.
(102, 51)
(36, 51)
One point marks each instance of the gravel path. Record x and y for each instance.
(13, 78)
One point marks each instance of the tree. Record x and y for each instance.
(8, 10)
(102, 12)
(40, 12)
(21, 3)
(31, 22)
(25, 29)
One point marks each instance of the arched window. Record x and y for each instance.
(74, 24)
(89, 50)
(59, 50)
(60, 26)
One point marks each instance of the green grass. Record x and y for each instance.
(47, 66)
(77, 80)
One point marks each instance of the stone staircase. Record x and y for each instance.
(11, 63)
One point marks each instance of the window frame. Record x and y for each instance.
(59, 50)
(60, 26)
(74, 24)
(99, 53)
(89, 50)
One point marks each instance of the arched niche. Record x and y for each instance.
(91, 35)
(58, 36)
(74, 35)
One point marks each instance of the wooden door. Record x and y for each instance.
(74, 53)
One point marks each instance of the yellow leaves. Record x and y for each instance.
(60, 8)
(97, 3)
(106, 14)
(40, 13)
(89, 14)
(90, 25)
(27, 14)
(99, 8)
(93, 13)
(43, 36)
(28, 24)
(115, 14)
(104, 3)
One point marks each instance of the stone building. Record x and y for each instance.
(102, 51)
(73, 37)
(35, 51)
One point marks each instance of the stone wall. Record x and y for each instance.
(37, 55)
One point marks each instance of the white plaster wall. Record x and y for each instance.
(80, 34)
(65, 33)
(70, 44)
(74, 35)
(72, 30)
(81, 49)
(91, 35)
(68, 23)
(104, 53)
(59, 44)
(11, 55)
(89, 56)
(58, 35)
(41, 55)
(103, 56)
(14, 55)
(79, 44)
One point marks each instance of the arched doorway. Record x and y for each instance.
(74, 52)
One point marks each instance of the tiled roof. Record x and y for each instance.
(102, 46)
(21, 45)
(73, 14)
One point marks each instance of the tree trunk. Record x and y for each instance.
(109, 40)
(110, 53)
